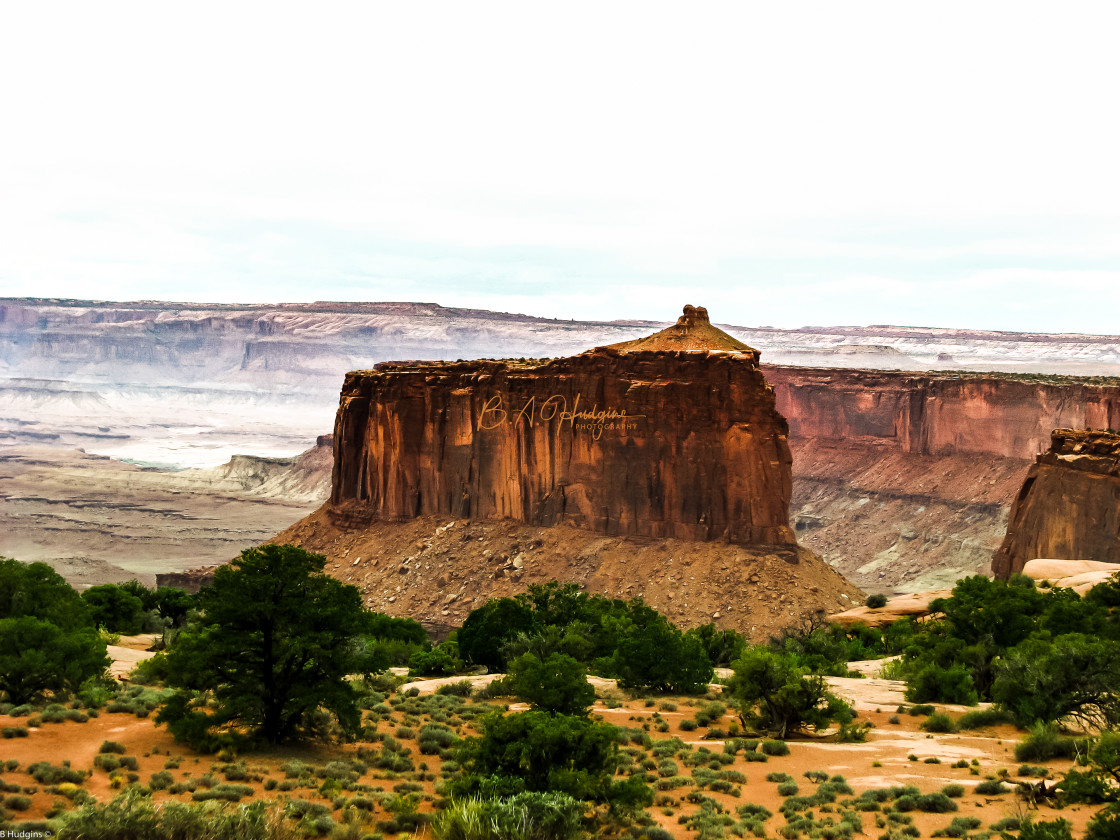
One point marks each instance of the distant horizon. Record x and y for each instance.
(615, 321)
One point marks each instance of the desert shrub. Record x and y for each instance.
(161, 780)
(133, 815)
(48, 774)
(980, 718)
(463, 688)
(775, 748)
(938, 722)
(1029, 770)
(688, 725)
(525, 816)
(112, 747)
(954, 791)
(14, 732)
(876, 601)
(789, 788)
(1043, 742)
(936, 803)
(992, 787)
(959, 827)
(17, 803)
(1058, 829)
(224, 792)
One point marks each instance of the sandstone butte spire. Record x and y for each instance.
(673, 435)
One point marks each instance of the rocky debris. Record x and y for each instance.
(1069, 505)
(653, 443)
(463, 563)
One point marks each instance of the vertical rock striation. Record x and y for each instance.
(1069, 506)
(631, 439)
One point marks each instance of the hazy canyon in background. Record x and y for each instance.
(902, 481)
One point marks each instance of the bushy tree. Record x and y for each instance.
(276, 642)
(556, 684)
(777, 697)
(47, 641)
(487, 628)
(37, 657)
(115, 608)
(37, 590)
(657, 656)
(1073, 676)
(541, 751)
(722, 647)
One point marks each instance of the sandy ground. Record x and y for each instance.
(894, 754)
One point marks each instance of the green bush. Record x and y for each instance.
(525, 816)
(992, 787)
(463, 688)
(775, 748)
(981, 718)
(876, 601)
(1058, 829)
(112, 747)
(938, 722)
(936, 803)
(48, 774)
(1043, 742)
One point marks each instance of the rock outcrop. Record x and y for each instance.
(621, 440)
(1069, 505)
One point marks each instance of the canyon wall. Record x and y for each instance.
(655, 444)
(904, 481)
(1010, 416)
(1069, 505)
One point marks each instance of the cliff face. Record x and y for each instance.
(646, 443)
(940, 414)
(904, 481)
(1069, 506)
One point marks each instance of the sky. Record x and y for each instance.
(785, 164)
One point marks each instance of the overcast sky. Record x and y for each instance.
(943, 164)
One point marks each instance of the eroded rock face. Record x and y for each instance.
(644, 443)
(940, 413)
(1069, 506)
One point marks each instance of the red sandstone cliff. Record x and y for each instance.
(904, 481)
(1007, 415)
(653, 443)
(1069, 506)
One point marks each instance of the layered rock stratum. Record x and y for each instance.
(1069, 505)
(621, 440)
